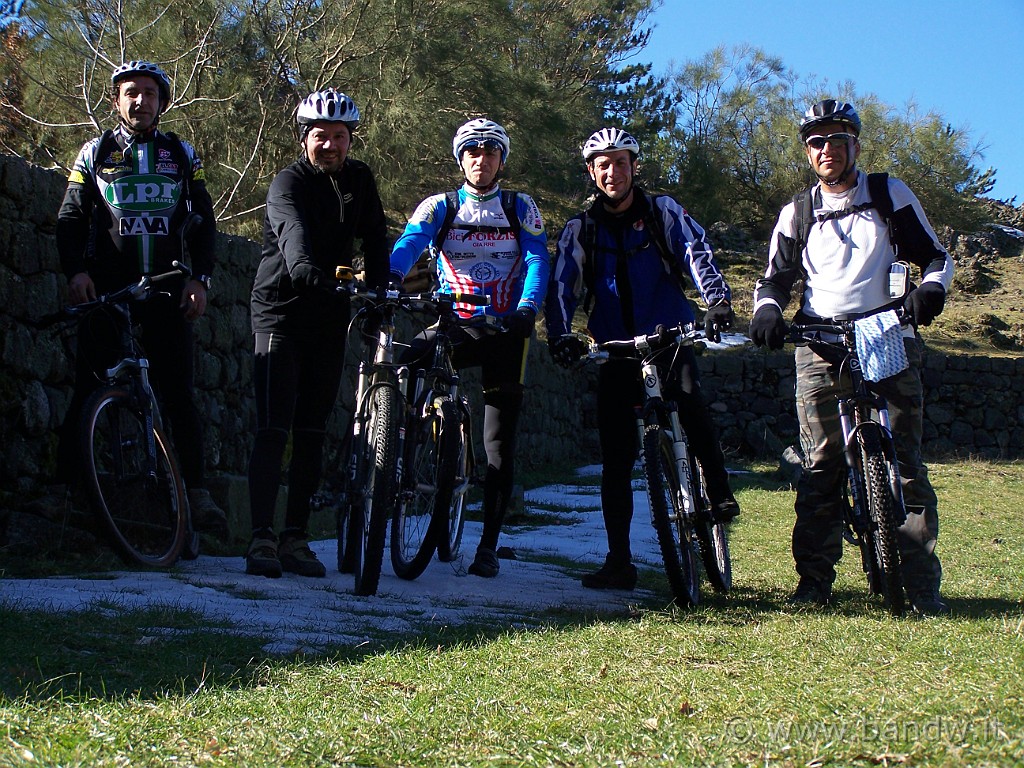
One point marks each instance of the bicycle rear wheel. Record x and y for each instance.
(377, 498)
(712, 535)
(413, 538)
(140, 500)
(882, 506)
(675, 534)
(449, 513)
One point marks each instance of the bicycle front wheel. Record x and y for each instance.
(457, 472)
(140, 498)
(712, 535)
(412, 529)
(882, 506)
(378, 487)
(675, 533)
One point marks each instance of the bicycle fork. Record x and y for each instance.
(680, 448)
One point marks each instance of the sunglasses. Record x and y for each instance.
(835, 139)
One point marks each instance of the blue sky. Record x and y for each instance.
(961, 58)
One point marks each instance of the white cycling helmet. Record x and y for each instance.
(328, 106)
(479, 133)
(147, 68)
(609, 140)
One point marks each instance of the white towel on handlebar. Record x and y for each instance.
(880, 346)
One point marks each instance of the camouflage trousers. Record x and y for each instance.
(817, 533)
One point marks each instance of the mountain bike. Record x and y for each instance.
(681, 512)
(134, 483)
(873, 507)
(439, 464)
(376, 487)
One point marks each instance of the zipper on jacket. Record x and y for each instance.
(341, 200)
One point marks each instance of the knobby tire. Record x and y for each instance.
(144, 514)
(882, 508)
(413, 528)
(378, 489)
(712, 535)
(675, 535)
(449, 517)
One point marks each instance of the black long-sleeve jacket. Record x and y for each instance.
(316, 217)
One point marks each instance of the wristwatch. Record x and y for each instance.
(206, 280)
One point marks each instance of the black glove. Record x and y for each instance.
(718, 318)
(768, 328)
(925, 302)
(305, 276)
(521, 322)
(566, 350)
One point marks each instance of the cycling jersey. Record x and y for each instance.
(120, 215)
(845, 264)
(480, 253)
(634, 291)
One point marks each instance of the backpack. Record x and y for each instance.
(653, 224)
(878, 191)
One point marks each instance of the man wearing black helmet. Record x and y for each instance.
(629, 251)
(128, 193)
(317, 208)
(844, 260)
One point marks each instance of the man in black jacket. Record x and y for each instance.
(128, 194)
(316, 208)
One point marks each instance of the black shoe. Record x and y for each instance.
(207, 517)
(928, 602)
(261, 557)
(485, 564)
(612, 575)
(811, 592)
(725, 511)
(296, 556)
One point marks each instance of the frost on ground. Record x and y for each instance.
(300, 614)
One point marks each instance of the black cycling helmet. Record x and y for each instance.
(149, 69)
(829, 111)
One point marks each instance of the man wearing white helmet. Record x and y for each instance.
(491, 242)
(629, 251)
(317, 208)
(108, 236)
(841, 256)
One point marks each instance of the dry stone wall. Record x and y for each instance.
(974, 404)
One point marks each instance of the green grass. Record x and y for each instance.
(744, 679)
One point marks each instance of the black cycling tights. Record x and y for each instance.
(619, 390)
(501, 359)
(297, 381)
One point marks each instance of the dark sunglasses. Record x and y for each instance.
(835, 139)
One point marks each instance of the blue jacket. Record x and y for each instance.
(633, 289)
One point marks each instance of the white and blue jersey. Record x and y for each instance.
(481, 253)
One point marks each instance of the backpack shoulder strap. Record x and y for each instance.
(588, 237)
(656, 225)
(508, 205)
(878, 188)
(803, 218)
(451, 208)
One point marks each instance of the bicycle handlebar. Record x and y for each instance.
(681, 335)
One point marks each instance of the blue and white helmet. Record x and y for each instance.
(609, 140)
(147, 68)
(328, 106)
(480, 132)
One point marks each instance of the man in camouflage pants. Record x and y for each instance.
(844, 261)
